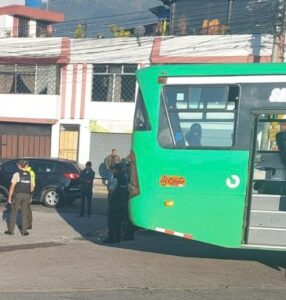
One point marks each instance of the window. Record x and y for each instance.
(114, 83)
(23, 27)
(197, 116)
(42, 167)
(29, 79)
(140, 117)
(10, 167)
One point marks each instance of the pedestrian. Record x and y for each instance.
(19, 197)
(128, 229)
(86, 179)
(114, 215)
(112, 159)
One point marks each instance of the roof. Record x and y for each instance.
(161, 11)
(32, 13)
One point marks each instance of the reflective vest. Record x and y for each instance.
(24, 185)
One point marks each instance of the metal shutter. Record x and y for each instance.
(101, 145)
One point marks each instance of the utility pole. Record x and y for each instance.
(279, 31)
(229, 15)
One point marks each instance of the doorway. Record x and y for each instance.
(267, 210)
(69, 137)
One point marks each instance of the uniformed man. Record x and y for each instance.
(115, 206)
(20, 191)
(86, 179)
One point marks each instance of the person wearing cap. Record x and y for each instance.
(19, 197)
(29, 209)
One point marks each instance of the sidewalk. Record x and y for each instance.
(60, 225)
(54, 227)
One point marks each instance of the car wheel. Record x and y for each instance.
(3, 194)
(51, 197)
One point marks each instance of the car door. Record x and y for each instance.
(43, 171)
(7, 169)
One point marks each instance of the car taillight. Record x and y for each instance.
(71, 176)
(134, 189)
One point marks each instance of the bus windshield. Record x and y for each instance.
(194, 116)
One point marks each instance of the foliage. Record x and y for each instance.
(79, 32)
(119, 31)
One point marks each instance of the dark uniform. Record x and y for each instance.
(128, 229)
(115, 206)
(86, 178)
(21, 199)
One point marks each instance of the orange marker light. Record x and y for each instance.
(162, 80)
(169, 203)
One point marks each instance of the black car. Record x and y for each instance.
(57, 180)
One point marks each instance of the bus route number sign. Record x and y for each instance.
(172, 181)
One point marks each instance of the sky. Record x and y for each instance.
(98, 15)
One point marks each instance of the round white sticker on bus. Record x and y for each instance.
(233, 181)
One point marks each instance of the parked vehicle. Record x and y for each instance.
(56, 179)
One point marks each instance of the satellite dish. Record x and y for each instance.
(138, 32)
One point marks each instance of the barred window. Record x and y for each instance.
(114, 83)
(29, 79)
(23, 27)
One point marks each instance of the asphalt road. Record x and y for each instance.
(65, 258)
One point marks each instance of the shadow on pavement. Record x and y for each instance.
(94, 229)
(85, 226)
(154, 242)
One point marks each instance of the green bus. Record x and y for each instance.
(209, 153)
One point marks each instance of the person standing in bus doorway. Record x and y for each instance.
(86, 179)
(20, 191)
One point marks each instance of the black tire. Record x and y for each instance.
(3, 194)
(51, 197)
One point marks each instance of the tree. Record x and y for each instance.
(119, 31)
(79, 32)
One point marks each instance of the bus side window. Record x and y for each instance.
(141, 122)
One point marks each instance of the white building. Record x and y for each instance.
(18, 20)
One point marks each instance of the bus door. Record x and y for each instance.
(200, 178)
(267, 210)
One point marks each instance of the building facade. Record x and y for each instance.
(222, 16)
(72, 99)
(23, 21)
(75, 98)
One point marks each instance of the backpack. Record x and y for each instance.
(104, 172)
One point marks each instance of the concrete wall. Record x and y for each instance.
(30, 106)
(11, 2)
(6, 26)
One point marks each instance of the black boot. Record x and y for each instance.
(9, 232)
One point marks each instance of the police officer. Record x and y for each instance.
(127, 227)
(114, 216)
(20, 191)
(86, 179)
